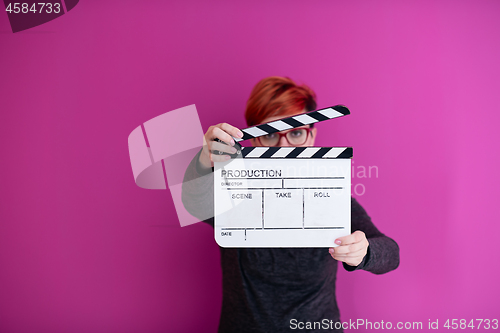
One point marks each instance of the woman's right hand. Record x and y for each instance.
(224, 132)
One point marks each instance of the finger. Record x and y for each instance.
(344, 251)
(355, 254)
(348, 248)
(355, 237)
(233, 131)
(220, 147)
(220, 134)
(349, 258)
(216, 133)
(354, 261)
(219, 158)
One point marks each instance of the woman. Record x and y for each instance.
(276, 289)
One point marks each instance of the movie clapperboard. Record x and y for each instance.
(284, 196)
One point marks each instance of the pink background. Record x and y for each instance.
(83, 249)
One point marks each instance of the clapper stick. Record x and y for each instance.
(288, 123)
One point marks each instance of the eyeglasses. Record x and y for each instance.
(294, 137)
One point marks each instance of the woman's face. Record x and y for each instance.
(283, 142)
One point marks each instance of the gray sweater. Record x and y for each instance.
(274, 289)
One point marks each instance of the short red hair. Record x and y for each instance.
(275, 96)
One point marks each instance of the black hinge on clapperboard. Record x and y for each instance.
(289, 123)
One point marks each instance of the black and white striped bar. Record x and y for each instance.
(296, 152)
(294, 122)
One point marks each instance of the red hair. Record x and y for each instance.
(275, 96)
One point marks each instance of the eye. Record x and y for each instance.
(297, 133)
(270, 136)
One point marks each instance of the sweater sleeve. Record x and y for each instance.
(198, 191)
(383, 252)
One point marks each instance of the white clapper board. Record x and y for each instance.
(284, 196)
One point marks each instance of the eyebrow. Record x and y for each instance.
(296, 128)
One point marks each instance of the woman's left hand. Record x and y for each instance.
(352, 248)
